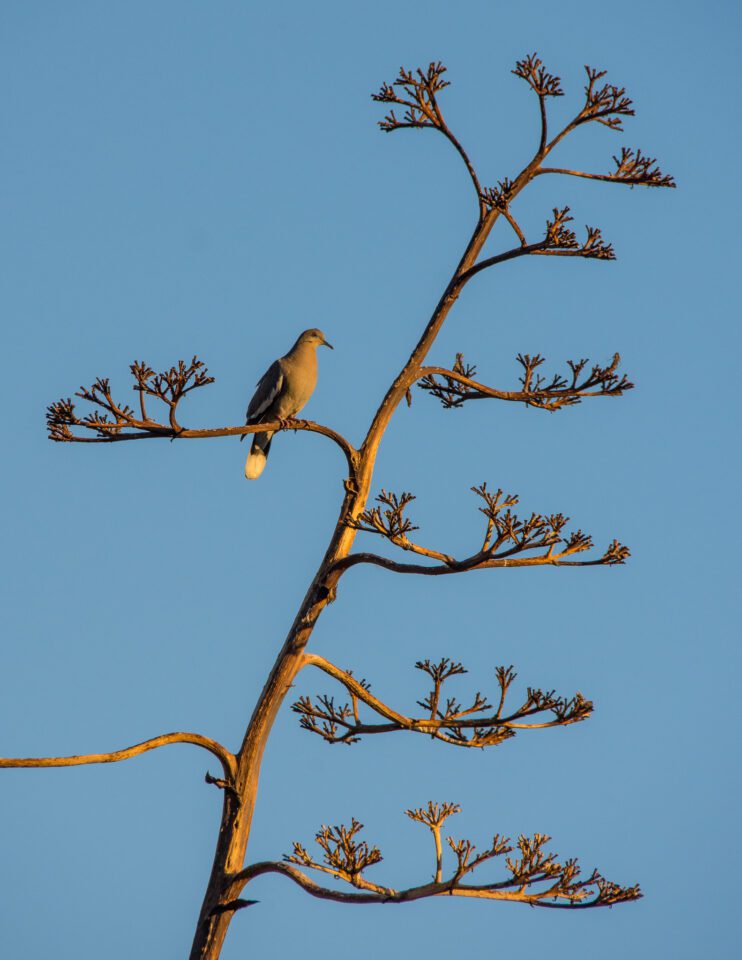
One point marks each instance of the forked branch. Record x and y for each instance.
(392, 524)
(508, 540)
(456, 386)
(533, 876)
(559, 241)
(605, 104)
(632, 168)
(478, 724)
(417, 91)
(111, 421)
(543, 84)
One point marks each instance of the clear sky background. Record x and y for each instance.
(190, 177)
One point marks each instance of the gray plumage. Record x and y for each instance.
(281, 393)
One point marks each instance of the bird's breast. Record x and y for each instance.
(299, 384)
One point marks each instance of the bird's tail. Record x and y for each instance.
(255, 463)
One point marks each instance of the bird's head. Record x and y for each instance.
(315, 337)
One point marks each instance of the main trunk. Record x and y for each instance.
(239, 801)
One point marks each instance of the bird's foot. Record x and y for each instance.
(286, 423)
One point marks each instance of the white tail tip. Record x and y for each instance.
(255, 464)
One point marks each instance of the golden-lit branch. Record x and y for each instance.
(605, 104)
(455, 386)
(111, 421)
(534, 876)
(433, 817)
(543, 84)
(559, 241)
(476, 725)
(631, 168)
(507, 537)
(416, 92)
(393, 525)
(227, 759)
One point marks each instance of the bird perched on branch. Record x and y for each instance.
(281, 393)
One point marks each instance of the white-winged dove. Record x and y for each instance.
(281, 393)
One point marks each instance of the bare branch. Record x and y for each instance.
(392, 524)
(416, 91)
(433, 817)
(536, 877)
(632, 168)
(514, 536)
(117, 422)
(227, 759)
(560, 241)
(606, 105)
(513, 254)
(448, 721)
(300, 878)
(344, 856)
(456, 386)
(543, 84)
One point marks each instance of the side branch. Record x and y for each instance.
(521, 251)
(442, 889)
(476, 562)
(323, 893)
(535, 877)
(477, 725)
(559, 241)
(416, 92)
(506, 537)
(117, 422)
(227, 759)
(458, 385)
(633, 168)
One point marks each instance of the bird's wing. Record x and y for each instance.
(269, 387)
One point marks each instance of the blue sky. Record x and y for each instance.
(185, 178)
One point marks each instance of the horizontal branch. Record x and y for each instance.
(227, 759)
(632, 168)
(506, 538)
(112, 421)
(148, 430)
(536, 878)
(477, 562)
(389, 895)
(323, 893)
(606, 177)
(537, 391)
(447, 720)
(560, 241)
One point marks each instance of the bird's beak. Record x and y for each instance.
(326, 344)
